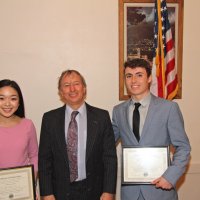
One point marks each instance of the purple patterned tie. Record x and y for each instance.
(72, 145)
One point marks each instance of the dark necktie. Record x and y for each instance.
(72, 146)
(136, 121)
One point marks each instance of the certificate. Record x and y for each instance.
(17, 183)
(142, 165)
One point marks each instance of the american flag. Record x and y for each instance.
(164, 72)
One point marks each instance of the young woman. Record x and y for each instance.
(18, 141)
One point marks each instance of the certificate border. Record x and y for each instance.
(141, 182)
(31, 180)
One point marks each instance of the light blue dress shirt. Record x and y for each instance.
(81, 119)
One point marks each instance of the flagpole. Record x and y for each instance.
(161, 46)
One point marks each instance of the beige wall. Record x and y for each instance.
(41, 38)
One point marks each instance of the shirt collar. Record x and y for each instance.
(144, 102)
(81, 110)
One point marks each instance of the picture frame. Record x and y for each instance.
(126, 39)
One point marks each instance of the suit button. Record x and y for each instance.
(88, 174)
(89, 189)
(68, 194)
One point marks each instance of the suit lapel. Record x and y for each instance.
(125, 118)
(92, 128)
(60, 132)
(149, 117)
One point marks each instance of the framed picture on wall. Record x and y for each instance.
(136, 35)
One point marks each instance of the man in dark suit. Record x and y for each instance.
(160, 124)
(96, 160)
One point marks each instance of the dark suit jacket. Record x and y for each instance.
(101, 159)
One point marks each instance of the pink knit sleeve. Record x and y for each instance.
(33, 147)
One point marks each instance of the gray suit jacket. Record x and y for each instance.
(163, 126)
(101, 159)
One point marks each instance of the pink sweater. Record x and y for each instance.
(18, 145)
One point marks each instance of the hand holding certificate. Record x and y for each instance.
(17, 183)
(142, 165)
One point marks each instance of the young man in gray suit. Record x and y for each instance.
(160, 124)
(89, 171)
